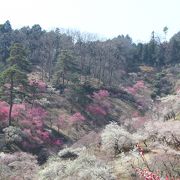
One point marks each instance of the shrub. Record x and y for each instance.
(164, 132)
(168, 164)
(138, 86)
(4, 110)
(76, 151)
(164, 163)
(13, 134)
(77, 117)
(64, 121)
(100, 105)
(85, 166)
(116, 139)
(18, 166)
(39, 84)
(162, 86)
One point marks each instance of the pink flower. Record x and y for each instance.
(38, 84)
(139, 85)
(57, 142)
(146, 174)
(131, 90)
(7, 85)
(96, 110)
(101, 94)
(138, 122)
(61, 122)
(178, 91)
(4, 111)
(17, 109)
(135, 114)
(45, 135)
(77, 117)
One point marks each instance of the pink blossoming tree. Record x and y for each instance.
(100, 105)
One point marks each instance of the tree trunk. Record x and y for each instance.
(63, 78)
(49, 68)
(33, 100)
(11, 100)
(110, 76)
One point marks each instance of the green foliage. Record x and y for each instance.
(66, 69)
(78, 95)
(178, 75)
(14, 75)
(72, 57)
(161, 85)
(18, 57)
(17, 66)
(5, 41)
(160, 75)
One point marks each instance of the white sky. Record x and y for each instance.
(109, 18)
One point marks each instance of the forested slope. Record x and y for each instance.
(73, 106)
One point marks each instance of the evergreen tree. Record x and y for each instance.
(174, 49)
(5, 41)
(15, 73)
(66, 69)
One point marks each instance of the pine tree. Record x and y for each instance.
(66, 69)
(15, 73)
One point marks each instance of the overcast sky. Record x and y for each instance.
(109, 18)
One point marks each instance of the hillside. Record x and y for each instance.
(79, 109)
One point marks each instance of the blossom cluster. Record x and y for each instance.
(146, 174)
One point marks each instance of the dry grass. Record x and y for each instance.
(147, 69)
